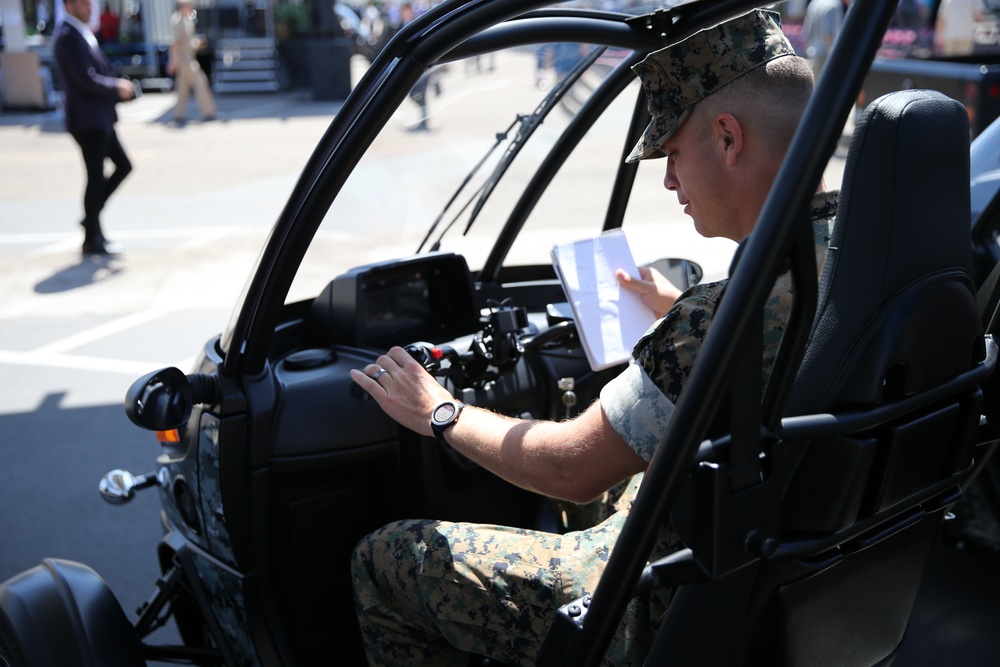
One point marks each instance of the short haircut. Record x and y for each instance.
(769, 99)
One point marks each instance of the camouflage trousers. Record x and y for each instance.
(433, 592)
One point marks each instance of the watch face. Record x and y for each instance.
(444, 412)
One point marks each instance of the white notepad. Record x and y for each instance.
(609, 319)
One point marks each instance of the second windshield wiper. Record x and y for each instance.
(527, 126)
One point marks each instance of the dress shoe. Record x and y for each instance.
(102, 247)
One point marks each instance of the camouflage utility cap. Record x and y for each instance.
(677, 77)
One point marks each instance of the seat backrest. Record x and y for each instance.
(897, 311)
(902, 225)
(857, 510)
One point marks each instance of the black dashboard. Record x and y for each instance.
(494, 354)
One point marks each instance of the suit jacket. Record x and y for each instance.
(89, 84)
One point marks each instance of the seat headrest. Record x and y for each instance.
(898, 273)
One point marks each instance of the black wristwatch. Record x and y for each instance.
(444, 416)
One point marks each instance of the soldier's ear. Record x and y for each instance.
(728, 135)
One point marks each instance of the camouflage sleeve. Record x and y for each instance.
(636, 409)
(668, 352)
(639, 402)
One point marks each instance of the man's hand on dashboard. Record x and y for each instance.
(656, 291)
(405, 390)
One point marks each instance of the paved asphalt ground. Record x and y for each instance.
(75, 332)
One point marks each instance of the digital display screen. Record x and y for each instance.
(397, 305)
(423, 298)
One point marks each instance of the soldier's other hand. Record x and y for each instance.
(657, 292)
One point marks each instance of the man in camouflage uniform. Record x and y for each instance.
(724, 105)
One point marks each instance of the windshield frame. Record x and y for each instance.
(445, 33)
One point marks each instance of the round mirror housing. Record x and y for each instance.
(160, 401)
(683, 273)
(118, 486)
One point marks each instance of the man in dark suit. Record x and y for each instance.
(91, 92)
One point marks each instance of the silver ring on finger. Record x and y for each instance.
(379, 373)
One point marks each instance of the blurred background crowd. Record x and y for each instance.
(271, 45)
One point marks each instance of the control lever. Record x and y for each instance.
(498, 346)
(430, 356)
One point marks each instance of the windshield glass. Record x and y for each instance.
(421, 178)
(455, 128)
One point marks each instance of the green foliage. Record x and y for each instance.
(293, 15)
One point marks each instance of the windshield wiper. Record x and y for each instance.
(528, 125)
(501, 137)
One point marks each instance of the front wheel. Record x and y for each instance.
(10, 652)
(62, 614)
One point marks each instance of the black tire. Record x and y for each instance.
(62, 614)
(11, 654)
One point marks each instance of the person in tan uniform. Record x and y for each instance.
(955, 28)
(183, 65)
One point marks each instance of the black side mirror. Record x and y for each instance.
(162, 400)
(681, 272)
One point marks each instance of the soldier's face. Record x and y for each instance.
(80, 9)
(715, 181)
(692, 172)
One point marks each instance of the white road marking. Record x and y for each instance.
(101, 331)
(81, 363)
(133, 234)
